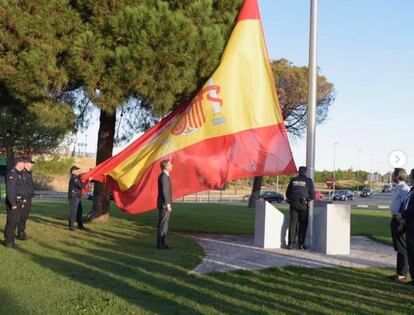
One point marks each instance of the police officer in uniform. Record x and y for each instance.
(28, 180)
(299, 193)
(74, 196)
(15, 200)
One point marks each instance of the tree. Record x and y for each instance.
(33, 129)
(160, 52)
(34, 37)
(292, 88)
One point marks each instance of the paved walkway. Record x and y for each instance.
(229, 252)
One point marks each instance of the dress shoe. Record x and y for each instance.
(22, 237)
(71, 228)
(302, 247)
(10, 245)
(164, 247)
(289, 247)
(398, 278)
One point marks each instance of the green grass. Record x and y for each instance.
(114, 269)
(236, 219)
(372, 223)
(2, 188)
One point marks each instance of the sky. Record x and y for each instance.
(366, 49)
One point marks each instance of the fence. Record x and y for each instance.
(204, 197)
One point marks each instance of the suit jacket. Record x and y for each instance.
(408, 214)
(164, 191)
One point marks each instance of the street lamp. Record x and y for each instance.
(86, 145)
(334, 168)
(359, 151)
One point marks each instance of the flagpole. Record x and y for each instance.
(313, 67)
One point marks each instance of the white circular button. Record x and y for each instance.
(397, 159)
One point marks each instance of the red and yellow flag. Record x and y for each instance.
(232, 129)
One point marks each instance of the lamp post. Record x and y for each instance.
(86, 145)
(334, 168)
(358, 180)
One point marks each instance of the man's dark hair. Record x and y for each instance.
(302, 170)
(163, 164)
(400, 174)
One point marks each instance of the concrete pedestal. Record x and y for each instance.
(271, 226)
(331, 228)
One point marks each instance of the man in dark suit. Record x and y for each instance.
(164, 203)
(407, 219)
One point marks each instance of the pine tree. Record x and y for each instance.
(34, 38)
(159, 51)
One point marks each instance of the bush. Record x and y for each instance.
(348, 184)
(55, 165)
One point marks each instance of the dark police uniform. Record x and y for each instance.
(15, 201)
(299, 192)
(29, 188)
(75, 204)
(164, 199)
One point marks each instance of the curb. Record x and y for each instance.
(371, 207)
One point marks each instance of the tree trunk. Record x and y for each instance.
(101, 199)
(257, 185)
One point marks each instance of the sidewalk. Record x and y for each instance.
(229, 252)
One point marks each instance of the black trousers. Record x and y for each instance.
(410, 248)
(21, 226)
(163, 219)
(399, 242)
(299, 215)
(76, 211)
(13, 217)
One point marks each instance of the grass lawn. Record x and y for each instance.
(2, 188)
(233, 219)
(114, 269)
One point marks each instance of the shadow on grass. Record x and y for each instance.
(119, 259)
(128, 267)
(153, 280)
(9, 304)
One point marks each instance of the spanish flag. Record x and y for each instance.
(232, 129)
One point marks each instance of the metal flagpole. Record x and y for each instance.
(313, 67)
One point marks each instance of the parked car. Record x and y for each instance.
(343, 195)
(246, 197)
(272, 196)
(386, 189)
(367, 192)
(318, 195)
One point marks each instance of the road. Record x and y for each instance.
(378, 201)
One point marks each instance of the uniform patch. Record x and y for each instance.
(11, 177)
